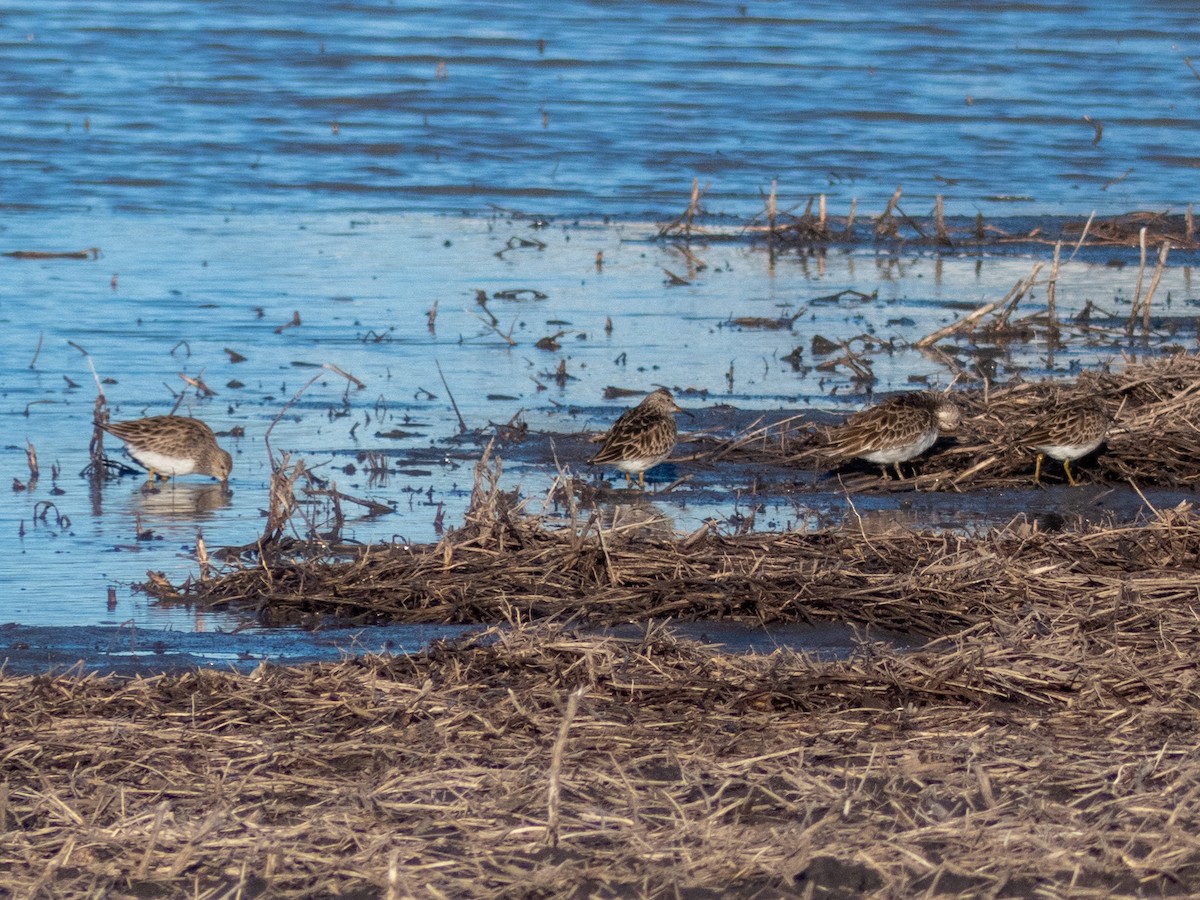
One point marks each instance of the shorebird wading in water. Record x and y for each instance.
(642, 437)
(173, 445)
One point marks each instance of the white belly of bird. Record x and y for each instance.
(162, 463)
(894, 455)
(639, 463)
(1068, 451)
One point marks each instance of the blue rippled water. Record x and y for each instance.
(596, 107)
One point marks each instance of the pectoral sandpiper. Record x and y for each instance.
(898, 429)
(173, 445)
(642, 437)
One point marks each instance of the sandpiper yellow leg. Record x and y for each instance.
(1070, 478)
(1037, 469)
(899, 474)
(642, 480)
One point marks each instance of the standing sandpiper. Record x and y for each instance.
(898, 429)
(642, 437)
(1066, 432)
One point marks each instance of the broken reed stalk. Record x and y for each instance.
(462, 425)
(1019, 290)
(1087, 226)
(1155, 279)
(693, 209)
(1051, 289)
(685, 223)
(1135, 306)
(281, 496)
(31, 458)
(1006, 305)
(279, 415)
(943, 236)
(100, 417)
(963, 324)
(37, 352)
(1189, 226)
(202, 557)
(848, 233)
(771, 210)
(338, 370)
(494, 326)
(554, 791)
(885, 225)
(197, 382)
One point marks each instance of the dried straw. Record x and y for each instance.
(1155, 440)
(1047, 752)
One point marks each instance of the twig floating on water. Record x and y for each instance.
(37, 352)
(340, 371)
(292, 324)
(962, 324)
(89, 253)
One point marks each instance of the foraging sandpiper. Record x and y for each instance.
(173, 445)
(898, 429)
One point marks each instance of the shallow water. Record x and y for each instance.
(189, 290)
(238, 166)
(129, 650)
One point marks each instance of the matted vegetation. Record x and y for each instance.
(1048, 752)
(809, 223)
(504, 566)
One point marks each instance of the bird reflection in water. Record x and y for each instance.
(181, 500)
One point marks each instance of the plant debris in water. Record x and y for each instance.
(1154, 440)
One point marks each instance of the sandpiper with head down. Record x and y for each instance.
(894, 431)
(173, 445)
(642, 437)
(1067, 432)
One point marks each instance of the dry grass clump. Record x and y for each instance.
(1155, 439)
(1126, 229)
(914, 582)
(801, 226)
(1050, 751)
